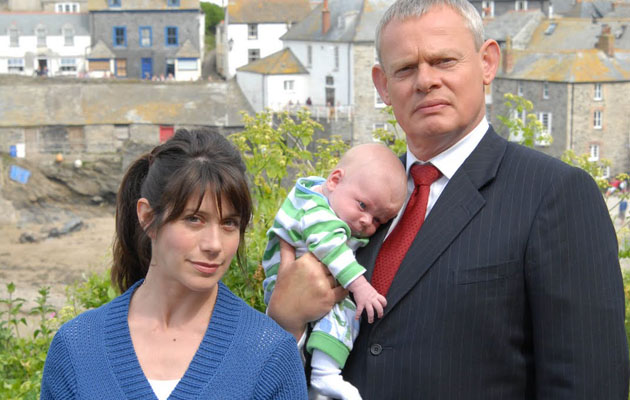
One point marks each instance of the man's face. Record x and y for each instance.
(433, 77)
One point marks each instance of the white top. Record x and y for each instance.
(448, 162)
(163, 389)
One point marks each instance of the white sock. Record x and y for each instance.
(326, 378)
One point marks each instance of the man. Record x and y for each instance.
(511, 288)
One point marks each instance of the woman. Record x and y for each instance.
(176, 331)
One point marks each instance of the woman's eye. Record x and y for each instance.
(193, 218)
(231, 224)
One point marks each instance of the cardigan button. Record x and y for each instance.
(376, 349)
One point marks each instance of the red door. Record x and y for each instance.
(166, 132)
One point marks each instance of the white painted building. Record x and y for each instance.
(43, 43)
(252, 29)
(277, 82)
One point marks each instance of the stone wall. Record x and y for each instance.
(366, 113)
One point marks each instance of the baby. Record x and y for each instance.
(331, 218)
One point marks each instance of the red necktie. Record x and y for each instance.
(397, 243)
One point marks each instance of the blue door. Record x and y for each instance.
(147, 68)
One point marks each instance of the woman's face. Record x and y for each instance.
(196, 248)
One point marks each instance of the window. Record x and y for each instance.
(146, 36)
(330, 81)
(252, 31)
(68, 36)
(593, 152)
(606, 172)
(519, 89)
(487, 9)
(253, 55)
(40, 32)
(520, 5)
(544, 138)
(309, 56)
(598, 92)
(16, 64)
(171, 36)
(336, 58)
(378, 102)
(288, 85)
(517, 136)
(545, 91)
(597, 119)
(115, 3)
(379, 126)
(120, 67)
(550, 29)
(67, 7)
(120, 36)
(68, 65)
(173, 3)
(14, 37)
(98, 64)
(187, 64)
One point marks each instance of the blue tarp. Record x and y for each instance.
(19, 174)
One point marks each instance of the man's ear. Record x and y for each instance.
(334, 178)
(380, 82)
(145, 216)
(490, 58)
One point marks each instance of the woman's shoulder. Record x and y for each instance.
(251, 322)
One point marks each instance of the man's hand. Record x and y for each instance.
(305, 291)
(367, 298)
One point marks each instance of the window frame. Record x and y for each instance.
(309, 56)
(598, 92)
(14, 37)
(172, 3)
(545, 90)
(289, 85)
(593, 151)
(251, 57)
(68, 39)
(166, 36)
(183, 62)
(252, 31)
(67, 66)
(15, 62)
(124, 37)
(41, 36)
(598, 119)
(114, 3)
(336, 55)
(140, 30)
(547, 129)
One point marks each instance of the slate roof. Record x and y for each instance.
(513, 24)
(282, 62)
(577, 66)
(26, 101)
(103, 5)
(589, 9)
(578, 34)
(267, 11)
(27, 22)
(350, 21)
(100, 50)
(188, 51)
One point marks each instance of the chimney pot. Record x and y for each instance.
(325, 18)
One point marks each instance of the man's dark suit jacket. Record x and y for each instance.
(511, 290)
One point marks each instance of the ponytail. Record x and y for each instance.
(132, 247)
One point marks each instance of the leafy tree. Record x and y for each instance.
(522, 124)
(214, 14)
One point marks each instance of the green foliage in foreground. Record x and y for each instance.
(275, 153)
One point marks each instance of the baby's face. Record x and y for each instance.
(364, 204)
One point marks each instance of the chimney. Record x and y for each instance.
(606, 42)
(325, 18)
(507, 57)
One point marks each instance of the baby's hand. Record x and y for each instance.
(367, 298)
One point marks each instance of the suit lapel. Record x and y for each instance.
(456, 206)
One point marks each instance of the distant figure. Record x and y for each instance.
(309, 102)
(623, 207)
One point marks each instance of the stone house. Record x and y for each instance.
(43, 43)
(576, 72)
(281, 71)
(91, 119)
(143, 39)
(495, 8)
(58, 6)
(252, 29)
(335, 43)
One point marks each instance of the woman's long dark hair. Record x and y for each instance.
(186, 165)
